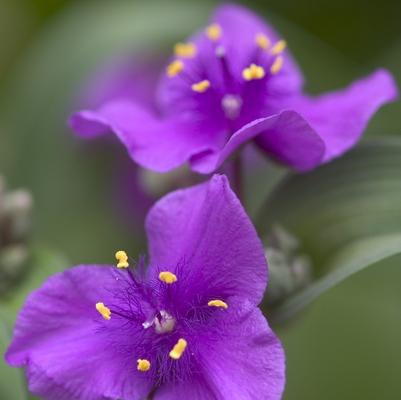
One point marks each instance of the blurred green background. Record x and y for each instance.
(347, 344)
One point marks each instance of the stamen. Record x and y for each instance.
(143, 365)
(103, 311)
(262, 41)
(214, 32)
(178, 349)
(277, 65)
(185, 50)
(253, 72)
(122, 258)
(279, 47)
(217, 303)
(201, 86)
(174, 68)
(167, 277)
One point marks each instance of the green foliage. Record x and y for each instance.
(352, 259)
(347, 216)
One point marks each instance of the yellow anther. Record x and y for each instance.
(174, 68)
(262, 41)
(185, 50)
(217, 303)
(253, 72)
(167, 277)
(279, 47)
(213, 32)
(201, 86)
(277, 65)
(143, 365)
(122, 258)
(103, 311)
(178, 349)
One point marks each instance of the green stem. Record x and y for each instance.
(238, 181)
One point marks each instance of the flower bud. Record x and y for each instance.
(289, 270)
(15, 221)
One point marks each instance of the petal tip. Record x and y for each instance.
(388, 82)
(86, 124)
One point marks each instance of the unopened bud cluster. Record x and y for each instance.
(289, 270)
(15, 220)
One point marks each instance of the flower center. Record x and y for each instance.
(235, 84)
(231, 105)
(163, 322)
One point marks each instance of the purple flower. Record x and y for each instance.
(233, 82)
(187, 327)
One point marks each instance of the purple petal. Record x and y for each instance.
(132, 78)
(130, 193)
(59, 338)
(176, 99)
(239, 358)
(194, 389)
(341, 117)
(160, 145)
(292, 141)
(285, 136)
(240, 26)
(206, 227)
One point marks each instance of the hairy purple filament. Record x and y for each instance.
(155, 307)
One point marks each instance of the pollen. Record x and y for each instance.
(122, 258)
(253, 72)
(279, 47)
(277, 65)
(217, 303)
(185, 50)
(213, 32)
(174, 68)
(262, 41)
(143, 365)
(103, 311)
(201, 86)
(167, 277)
(178, 349)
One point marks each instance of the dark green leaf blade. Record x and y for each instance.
(347, 216)
(354, 258)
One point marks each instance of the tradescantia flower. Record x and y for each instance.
(186, 327)
(231, 83)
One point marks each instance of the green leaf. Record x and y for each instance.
(347, 216)
(44, 262)
(12, 385)
(352, 259)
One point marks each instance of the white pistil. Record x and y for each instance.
(220, 51)
(163, 322)
(231, 104)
